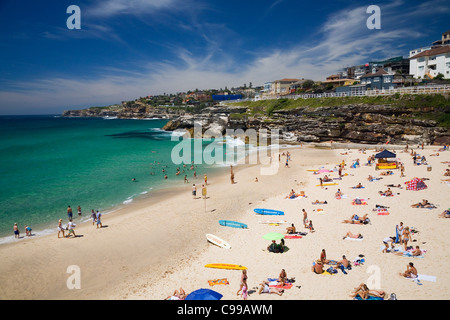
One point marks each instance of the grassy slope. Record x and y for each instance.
(438, 104)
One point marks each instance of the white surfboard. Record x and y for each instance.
(217, 241)
(273, 221)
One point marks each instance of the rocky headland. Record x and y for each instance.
(374, 120)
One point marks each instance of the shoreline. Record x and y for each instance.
(148, 249)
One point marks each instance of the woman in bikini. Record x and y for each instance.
(243, 281)
(406, 236)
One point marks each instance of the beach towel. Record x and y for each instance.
(356, 239)
(363, 203)
(416, 184)
(358, 297)
(296, 197)
(425, 277)
(383, 213)
(274, 284)
(218, 281)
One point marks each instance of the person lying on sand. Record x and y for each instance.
(387, 173)
(327, 179)
(265, 288)
(355, 219)
(177, 295)
(423, 204)
(394, 186)
(445, 214)
(415, 253)
(353, 236)
(387, 193)
(319, 202)
(364, 292)
(339, 194)
(359, 186)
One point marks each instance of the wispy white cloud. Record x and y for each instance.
(107, 8)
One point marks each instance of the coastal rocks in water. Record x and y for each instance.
(358, 123)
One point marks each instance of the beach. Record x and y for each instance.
(156, 245)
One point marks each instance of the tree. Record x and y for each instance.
(308, 84)
(439, 76)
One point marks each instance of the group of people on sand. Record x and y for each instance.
(70, 227)
(319, 265)
(194, 192)
(16, 231)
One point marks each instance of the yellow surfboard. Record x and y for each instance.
(225, 266)
(327, 184)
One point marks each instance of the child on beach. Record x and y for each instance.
(27, 231)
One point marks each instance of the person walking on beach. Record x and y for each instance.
(305, 218)
(69, 212)
(79, 211)
(231, 175)
(99, 221)
(93, 216)
(60, 228)
(206, 180)
(204, 191)
(194, 191)
(243, 282)
(71, 227)
(16, 231)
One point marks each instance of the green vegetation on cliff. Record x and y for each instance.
(422, 106)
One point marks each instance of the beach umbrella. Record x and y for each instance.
(385, 154)
(273, 236)
(204, 294)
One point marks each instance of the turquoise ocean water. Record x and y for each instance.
(48, 163)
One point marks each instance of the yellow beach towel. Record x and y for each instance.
(218, 281)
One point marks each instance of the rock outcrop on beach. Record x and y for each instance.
(400, 121)
(353, 123)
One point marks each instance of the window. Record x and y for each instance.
(376, 79)
(387, 79)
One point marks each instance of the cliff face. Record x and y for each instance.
(354, 123)
(399, 122)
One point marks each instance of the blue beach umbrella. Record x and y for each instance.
(204, 294)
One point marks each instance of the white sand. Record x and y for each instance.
(149, 249)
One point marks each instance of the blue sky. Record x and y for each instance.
(131, 48)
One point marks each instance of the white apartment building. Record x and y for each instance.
(431, 62)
